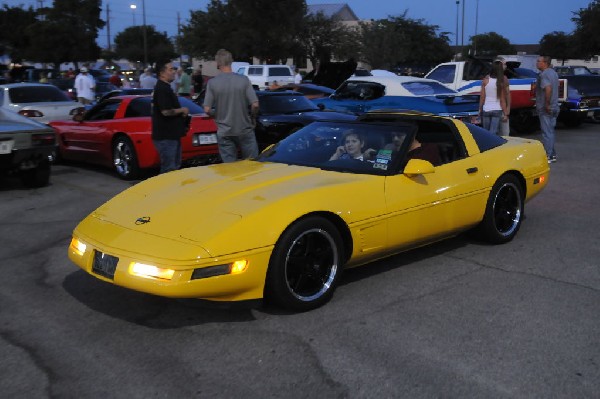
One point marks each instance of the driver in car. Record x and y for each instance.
(352, 148)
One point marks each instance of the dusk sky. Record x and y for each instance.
(520, 21)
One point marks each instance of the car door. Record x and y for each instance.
(89, 138)
(427, 207)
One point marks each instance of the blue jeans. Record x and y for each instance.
(228, 146)
(491, 120)
(170, 154)
(547, 125)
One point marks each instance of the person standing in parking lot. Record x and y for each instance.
(546, 103)
(231, 95)
(168, 119)
(85, 85)
(492, 100)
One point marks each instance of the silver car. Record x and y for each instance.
(38, 101)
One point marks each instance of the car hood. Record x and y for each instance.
(232, 207)
(587, 86)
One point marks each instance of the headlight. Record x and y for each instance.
(78, 246)
(149, 271)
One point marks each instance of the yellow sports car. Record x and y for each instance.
(330, 196)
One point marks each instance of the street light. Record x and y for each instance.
(133, 7)
(456, 34)
(145, 40)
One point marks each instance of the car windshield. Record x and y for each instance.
(36, 94)
(380, 150)
(420, 88)
(285, 104)
(142, 106)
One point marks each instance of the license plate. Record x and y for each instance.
(6, 146)
(207, 139)
(104, 264)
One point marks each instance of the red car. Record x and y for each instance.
(117, 133)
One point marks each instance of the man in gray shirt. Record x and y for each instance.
(546, 104)
(234, 100)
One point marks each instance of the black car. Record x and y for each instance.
(284, 112)
(583, 99)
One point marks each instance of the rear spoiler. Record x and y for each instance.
(562, 90)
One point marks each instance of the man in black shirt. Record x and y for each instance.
(168, 120)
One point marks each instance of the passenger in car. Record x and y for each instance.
(396, 144)
(425, 151)
(352, 148)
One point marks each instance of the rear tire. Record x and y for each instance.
(125, 158)
(305, 265)
(504, 211)
(38, 176)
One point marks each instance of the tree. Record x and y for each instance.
(12, 19)
(587, 22)
(65, 32)
(386, 43)
(323, 38)
(261, 28)
(490, 44)
(558, 45)
(129, 44)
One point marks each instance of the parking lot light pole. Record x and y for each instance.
(144, 33)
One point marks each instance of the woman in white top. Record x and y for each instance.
(492, 101)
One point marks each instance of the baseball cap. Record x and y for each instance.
(83, 69)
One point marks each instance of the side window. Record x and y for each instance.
(280, 71)
(138, 107)
(443, 74)
(255, 71)
(103, 111)
(241, 71)
(443, 136)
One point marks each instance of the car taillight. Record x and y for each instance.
(43, 139)
(31, 113)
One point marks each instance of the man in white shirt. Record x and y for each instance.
(147, 80)
(297, 77)
(85, 85)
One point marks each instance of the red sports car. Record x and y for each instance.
(117, 133)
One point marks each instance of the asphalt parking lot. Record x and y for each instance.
(459, 319)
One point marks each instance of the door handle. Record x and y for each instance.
(472, 170)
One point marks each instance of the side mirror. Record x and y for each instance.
(416, 167)
(78, 117)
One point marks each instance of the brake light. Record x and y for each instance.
(43, 139)
(31, 113)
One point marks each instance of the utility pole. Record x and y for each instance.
(108, 26)
(178, 40)
(145, 38)
(462, 39)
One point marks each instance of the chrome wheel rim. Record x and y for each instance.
(311, 264)
(122, 158)
(507, 209)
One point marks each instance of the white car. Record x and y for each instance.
(38, 101)
(262, 76)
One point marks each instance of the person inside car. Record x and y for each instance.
(425, 151)
(352, 148)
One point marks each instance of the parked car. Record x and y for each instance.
(42, 102)
(26, 147)
(309, 90)
(569, 70)
(262, 76)
(103, 88)
(286, 225)
(284, 112)
(125, 92)
(583, 99)
(365, 93)
(117, 133)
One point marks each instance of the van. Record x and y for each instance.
(261, 76)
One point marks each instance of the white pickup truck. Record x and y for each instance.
(466, 76)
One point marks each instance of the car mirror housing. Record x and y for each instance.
(416, 167)
(78, 117)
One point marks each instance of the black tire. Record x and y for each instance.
(125, 158)
(503, 212)
(305, 265)
(38, 176)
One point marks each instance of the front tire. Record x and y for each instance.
(125, 158)
(305, 265)
(504, 211)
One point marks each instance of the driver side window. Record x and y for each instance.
(104, 111)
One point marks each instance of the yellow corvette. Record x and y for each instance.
(331, 195)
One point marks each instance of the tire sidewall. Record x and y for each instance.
(487, 228)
